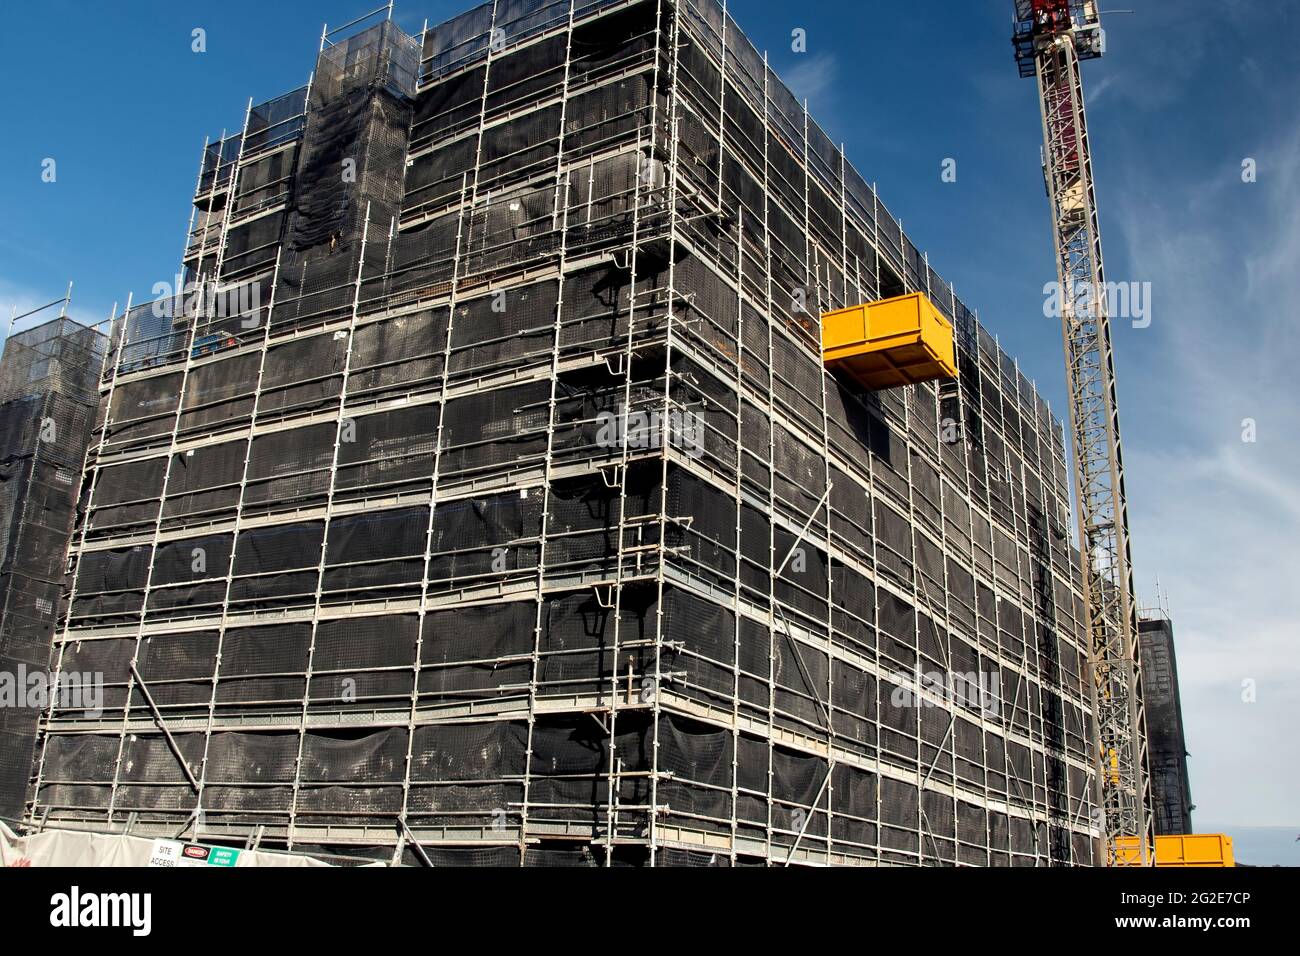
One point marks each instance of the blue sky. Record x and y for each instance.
(1187, 91)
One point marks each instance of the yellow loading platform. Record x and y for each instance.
(1190, 849)
(898, 341)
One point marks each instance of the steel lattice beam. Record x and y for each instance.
(1123, 794)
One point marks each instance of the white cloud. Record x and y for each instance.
(812, 77)
(1217, 518)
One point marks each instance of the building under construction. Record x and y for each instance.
(484, 499)
(48, 394)
(1171, 790)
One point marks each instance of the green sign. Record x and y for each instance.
(223, 856)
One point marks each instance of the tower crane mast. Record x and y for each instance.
(1051, 38)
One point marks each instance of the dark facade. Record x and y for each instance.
(513, 511)
(1171, 791)
(48, 393)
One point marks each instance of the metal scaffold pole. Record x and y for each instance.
(560, 223)
(342, 429)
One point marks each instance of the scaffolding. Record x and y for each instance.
(512, 519)
(48, 396)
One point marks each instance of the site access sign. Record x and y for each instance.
(175, 853)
